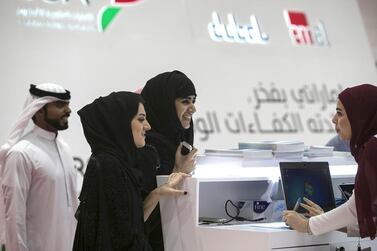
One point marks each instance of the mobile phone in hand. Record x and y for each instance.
(186, 148)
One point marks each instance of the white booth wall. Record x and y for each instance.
(253, 82)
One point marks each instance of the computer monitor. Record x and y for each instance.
(307, 179)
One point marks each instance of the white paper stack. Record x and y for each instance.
(320, 151)
(256, 154)
(223, 153)
(280, 149)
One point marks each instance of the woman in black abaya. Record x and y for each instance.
(170, 103)
(112, 211)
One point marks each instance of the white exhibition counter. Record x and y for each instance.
(218, 179)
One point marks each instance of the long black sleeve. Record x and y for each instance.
(111, 212)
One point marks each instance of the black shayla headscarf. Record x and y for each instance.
(167, 132)
(107, 126)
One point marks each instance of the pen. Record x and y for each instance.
(297, 204)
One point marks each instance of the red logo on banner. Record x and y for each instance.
(125, 1)
(298, 18)
(300, 31)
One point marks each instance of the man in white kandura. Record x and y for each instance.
(38, 180)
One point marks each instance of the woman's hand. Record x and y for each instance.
(185, 163)
(170, 187)
(312, 208)
(296, 221)
(167, 189)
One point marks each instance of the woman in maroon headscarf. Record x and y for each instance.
(355, 120)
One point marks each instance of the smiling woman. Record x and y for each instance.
(112, 211)
(170, 104)
(140, 126)
(185, 109)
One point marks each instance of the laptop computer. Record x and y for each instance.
(307, 179)
(346, 189)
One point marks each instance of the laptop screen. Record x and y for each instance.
(307, 179)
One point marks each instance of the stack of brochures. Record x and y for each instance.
(319, 151)
(223, 153)
(244, 157)
(257, 154)
(280, 149)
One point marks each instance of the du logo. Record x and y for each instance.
(107, 14)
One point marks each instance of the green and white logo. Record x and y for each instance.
(34, 14)
(107, 14)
